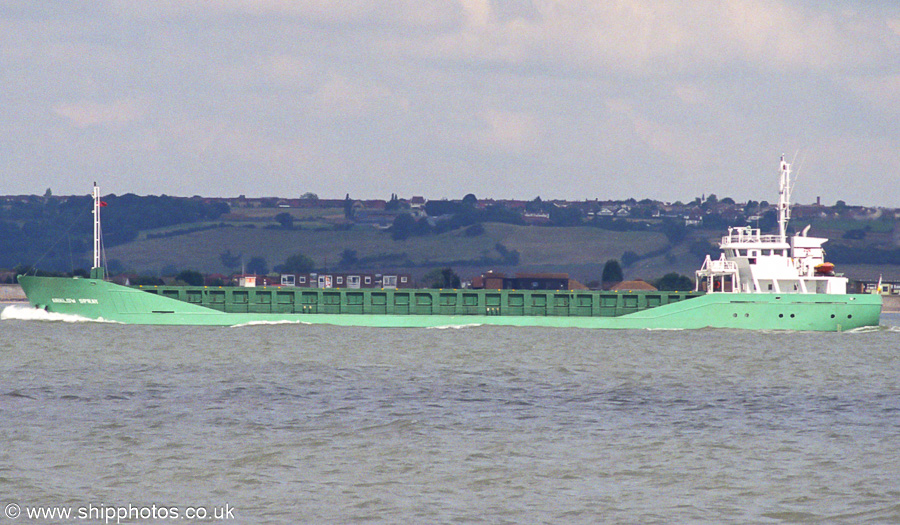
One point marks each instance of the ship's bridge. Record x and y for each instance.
(755, 263)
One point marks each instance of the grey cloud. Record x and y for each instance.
(507, 98)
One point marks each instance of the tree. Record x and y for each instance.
(769, 221)
(48, 193)
(700, 248)
(348, 258)
(569, 216)
(442, 278)
(190, 277)
(674, 282)
(629, 258)
(470, 200)
(436, 208)
(612, 273)
(257, 265)
(509, 257)
(402, 227)
(393, 203)
(858, 234)
(285, 219)
(536, 205)
(230, 260)
(309, 196)
(297, 263)
(674, 230)
(474, 230)
(348, 207)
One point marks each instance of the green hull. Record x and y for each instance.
(98, 299)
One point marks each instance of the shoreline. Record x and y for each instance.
(12, 293)
(890, 304)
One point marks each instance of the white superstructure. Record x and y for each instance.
(756, 263)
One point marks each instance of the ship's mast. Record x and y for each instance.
(97, 271)
(96, 195)
(784, 199)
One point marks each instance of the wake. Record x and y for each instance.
(29, 313)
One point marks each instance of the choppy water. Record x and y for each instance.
(315, 424)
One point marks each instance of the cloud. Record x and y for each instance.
(653, 37)
(418, 93)
(882, 92)
(507, 130)
(340, 95)
(110, 114)
(426, 13)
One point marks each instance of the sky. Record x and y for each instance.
(562, 99)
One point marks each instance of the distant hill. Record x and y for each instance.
(161, 235)
(578, 250)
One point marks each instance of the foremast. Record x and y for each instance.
(97, 271)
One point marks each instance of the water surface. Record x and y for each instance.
(319, 424)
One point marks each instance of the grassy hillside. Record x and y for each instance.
(579, 250)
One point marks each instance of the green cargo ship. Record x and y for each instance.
(99, 299)
(761, 282)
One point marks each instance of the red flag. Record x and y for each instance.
(102, 204)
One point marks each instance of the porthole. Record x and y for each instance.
(746, 315)
(792, 316)
(849, 317)
(780, 315)
(832, 316)
(733, 315)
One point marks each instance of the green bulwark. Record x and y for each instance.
(284, 300)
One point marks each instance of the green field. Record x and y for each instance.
(580, 250)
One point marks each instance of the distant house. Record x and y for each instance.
(374, 204)
(352, 280)
(375, 217)
(693, 218)
(637, 284)
(536, 218)
(606, 211)
(880, 286)
(417, 202)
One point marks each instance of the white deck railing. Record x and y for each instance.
(719, 265)
(740, 238)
